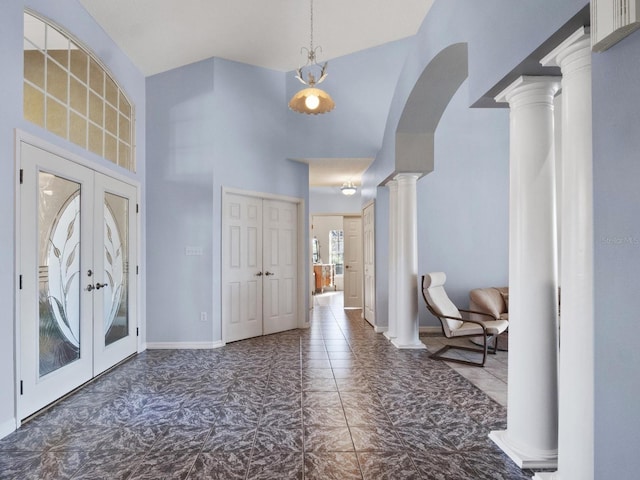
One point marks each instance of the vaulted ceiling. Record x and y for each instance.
(159, 35)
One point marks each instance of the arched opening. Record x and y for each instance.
(425, 105)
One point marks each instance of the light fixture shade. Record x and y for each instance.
(348, 189)
(298, 102)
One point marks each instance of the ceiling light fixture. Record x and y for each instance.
(312, 100)
(348, 188)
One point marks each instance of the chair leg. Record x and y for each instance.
(439, 355)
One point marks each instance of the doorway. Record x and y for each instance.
(337, 248)
(77, 293)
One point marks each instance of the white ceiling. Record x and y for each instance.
(160, 35)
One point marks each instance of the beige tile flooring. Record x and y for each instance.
(491, 379)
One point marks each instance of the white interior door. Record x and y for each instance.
(242, 267)
(369, 257)
(260, 266)
(65, 279)
(280, 265)
(353, 262)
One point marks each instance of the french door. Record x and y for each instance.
(78, 237)
(259, 266)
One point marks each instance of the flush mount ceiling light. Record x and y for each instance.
(311, 100)
(348, 188)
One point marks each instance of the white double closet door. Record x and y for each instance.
(77, 293)
(259, 266)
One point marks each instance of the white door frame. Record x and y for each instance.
(365, 300)
(24, 137)
(303, 314)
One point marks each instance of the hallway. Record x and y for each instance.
(335, 401)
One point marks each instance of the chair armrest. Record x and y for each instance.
(478, 322)
(485, 314)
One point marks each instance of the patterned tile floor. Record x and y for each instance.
(336, 401)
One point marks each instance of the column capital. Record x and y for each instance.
(572, 54)
(406, 176)
(529, 90)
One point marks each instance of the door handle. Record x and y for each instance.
(346, 266)
(268, 274)
(259, 274)
(100, 285)
(89, 288)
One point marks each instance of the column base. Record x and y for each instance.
(389, 335)
(416, 345)
(533, 459)
(546, 476)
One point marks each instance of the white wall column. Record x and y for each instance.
(407, 335)
(531, 438)
(393, 259)
(576, 410)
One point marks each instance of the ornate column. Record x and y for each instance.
(576, 389)
(531, 438)
(393, 259)
(407, 335)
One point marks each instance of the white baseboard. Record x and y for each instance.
(430, 330)
(7, 427)
(184, 345)
(378, 329)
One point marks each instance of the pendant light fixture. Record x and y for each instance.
(348, 188)
(311, 100)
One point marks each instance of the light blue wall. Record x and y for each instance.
(72, 17)
(179, 203)
(463, 206)
(212, 124)
(616, 143)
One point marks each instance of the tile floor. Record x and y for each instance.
(336, 401)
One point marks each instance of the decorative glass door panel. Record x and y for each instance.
(76, 294)
(59, 277)
(116, 266)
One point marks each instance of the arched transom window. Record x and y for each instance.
(70, 93)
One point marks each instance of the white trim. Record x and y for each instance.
(8, 427)
(184, 345)
(532, 459)
(17, 256)
(378, 329)
(546, 476)
(26, 137)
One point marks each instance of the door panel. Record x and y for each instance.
(242, 266)
(280, 262)
(115, 285)
(353, 262)
(55, 310)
